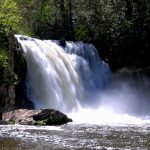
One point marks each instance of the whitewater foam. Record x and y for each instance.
(62, 78)
(105, 116)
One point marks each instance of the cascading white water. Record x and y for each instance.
(64, 78)
(72, 77)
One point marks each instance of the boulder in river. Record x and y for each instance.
(36, 117)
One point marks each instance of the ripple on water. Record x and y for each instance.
(79, 136)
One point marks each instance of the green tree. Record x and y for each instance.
(9, 21)
(119, 28)
(9, 16)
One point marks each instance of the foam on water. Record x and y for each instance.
(104, 116)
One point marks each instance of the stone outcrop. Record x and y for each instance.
(7, 98)
(7, 88)
(12, 88)
(36, 117)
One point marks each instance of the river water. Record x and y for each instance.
(75, 136)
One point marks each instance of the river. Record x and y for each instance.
(75, 136)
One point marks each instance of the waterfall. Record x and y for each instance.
(63, 77)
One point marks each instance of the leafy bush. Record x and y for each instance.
(3, 63)
(9, 16)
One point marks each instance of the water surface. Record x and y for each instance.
(75, 136)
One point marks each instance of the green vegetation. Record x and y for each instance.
(9, 21)
(3, 64)
(9, 17)
(41, 122)
(3, 60)
(11, 122)
(118, 28)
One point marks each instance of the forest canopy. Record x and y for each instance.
(118, 28)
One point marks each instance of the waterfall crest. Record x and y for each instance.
(64, 78)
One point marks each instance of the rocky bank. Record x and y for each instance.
(35, 117)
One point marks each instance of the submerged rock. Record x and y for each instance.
(3, 122)
(36, 117)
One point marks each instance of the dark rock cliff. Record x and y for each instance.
(12, 88)
(7, 88)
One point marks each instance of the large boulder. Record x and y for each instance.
(36, 117)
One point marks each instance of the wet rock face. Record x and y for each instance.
(7, 96)
(7, 88)
(36, 117)
(12, 88)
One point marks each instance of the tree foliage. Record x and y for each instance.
(118, 28)
(9, 16)
(9, 21)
